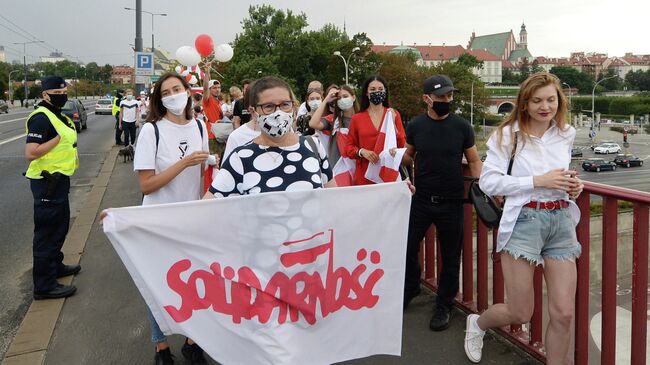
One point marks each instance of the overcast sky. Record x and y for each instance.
(101, 31)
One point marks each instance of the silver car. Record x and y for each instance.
(104, 106)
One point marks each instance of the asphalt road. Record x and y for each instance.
(16, 215)
(637, 178)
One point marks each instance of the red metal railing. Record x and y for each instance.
(530, 337)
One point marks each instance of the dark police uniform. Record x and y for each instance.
(49, 177)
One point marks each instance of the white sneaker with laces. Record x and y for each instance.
(473, 340)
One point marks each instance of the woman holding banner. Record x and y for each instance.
(368, 129)
(169, 160)
(278, 159)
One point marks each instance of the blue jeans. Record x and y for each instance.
(541, 233)
(156, 334)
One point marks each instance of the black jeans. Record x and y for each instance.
(118, 131)
(448, 218)
(51, 223)
(129, 132)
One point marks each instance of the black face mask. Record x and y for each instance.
(441, 108)
(377, 97)
(58, 100)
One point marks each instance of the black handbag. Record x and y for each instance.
(487, 209)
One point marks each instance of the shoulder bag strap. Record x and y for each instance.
(512, 155)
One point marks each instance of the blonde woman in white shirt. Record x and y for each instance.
(538, 222)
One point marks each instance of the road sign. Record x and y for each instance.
(143, 64)
(139, 79)
(155, 78)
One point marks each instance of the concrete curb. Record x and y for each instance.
(33, 336)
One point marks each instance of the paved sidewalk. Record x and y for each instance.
(105, 321)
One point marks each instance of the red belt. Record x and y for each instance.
(550, 205)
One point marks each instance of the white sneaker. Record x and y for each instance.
(473, 340)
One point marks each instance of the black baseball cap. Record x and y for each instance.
(52, 82)
(438, 85)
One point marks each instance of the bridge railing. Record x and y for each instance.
(479, 260)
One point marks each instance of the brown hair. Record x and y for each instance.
(520, 114)
(338, 113)
(265, 83)
(157, 110)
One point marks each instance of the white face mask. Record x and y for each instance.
(314, 104)
(129, 97)
(345, 103)
(275, 124)
(175, 103)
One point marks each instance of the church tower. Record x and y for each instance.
(523, 37)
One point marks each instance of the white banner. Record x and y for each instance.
(313, 277)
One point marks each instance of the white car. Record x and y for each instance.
(608, 148)
(104, 106)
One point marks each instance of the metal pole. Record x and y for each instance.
(593, 98)
(471, 107)
(138, 34)
(152, 43)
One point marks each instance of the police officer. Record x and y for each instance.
(116, 113)
(52, 151)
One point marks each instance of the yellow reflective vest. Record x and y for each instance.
(63, 157)
(116, 108)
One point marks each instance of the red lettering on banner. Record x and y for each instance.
(292, 296)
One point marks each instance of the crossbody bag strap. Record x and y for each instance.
(512, 155)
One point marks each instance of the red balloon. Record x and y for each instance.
(204, 45)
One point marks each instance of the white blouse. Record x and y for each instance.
(534, 156)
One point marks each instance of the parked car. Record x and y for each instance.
(628, 160)
(104, 106)
(4, 107)
(608, 148)
(76, 111)
(593, 146)
(576, 152)
(598, 165)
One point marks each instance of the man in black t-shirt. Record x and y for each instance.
(437, 141)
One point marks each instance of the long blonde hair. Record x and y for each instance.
(520, 114)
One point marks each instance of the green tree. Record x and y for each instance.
(580, 80)
(403, 77)
(509, 78)
(34, 91)
(638, 80)
(524, 70)
(470, 61)
(610, 84)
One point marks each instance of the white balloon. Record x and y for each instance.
(178, 69)
(193, 80)
(188, 56)
(223, 52)
(185, 73)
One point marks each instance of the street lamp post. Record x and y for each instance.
(346, 63)
(471, 107)
(152, 20)
(11, 89)
(25, 63)
(593, 98)
(570, 104)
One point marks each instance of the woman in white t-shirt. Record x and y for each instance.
(169, 163)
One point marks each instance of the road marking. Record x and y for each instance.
(12, 139)
(22, 135)
(623, 334)
(12, 120)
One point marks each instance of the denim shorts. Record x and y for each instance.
(541, 233)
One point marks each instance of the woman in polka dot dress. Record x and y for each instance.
(277, 160)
